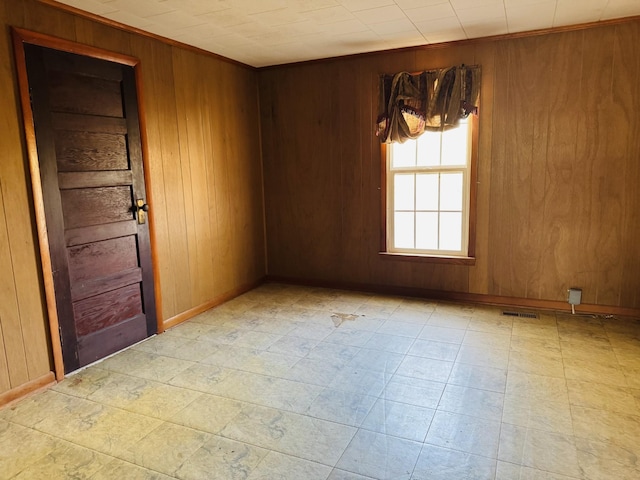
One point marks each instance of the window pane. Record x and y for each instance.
(450, 231)
(427, 191)
(403, 230)
(404, 154)
(454, 145)
(403, 192)
(427, 230)
(429, 149)
(451, 191)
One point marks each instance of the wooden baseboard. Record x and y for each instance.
(220, 299)
(33, 386)
(478, 298)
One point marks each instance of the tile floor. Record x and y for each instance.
(309, 384)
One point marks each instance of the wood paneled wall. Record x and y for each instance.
(205, 172)
(558, 201)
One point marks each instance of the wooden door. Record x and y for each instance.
(89, 151)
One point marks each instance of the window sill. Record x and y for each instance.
(416, 257)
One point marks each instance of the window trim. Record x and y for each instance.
(473, 191)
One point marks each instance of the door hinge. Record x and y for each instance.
(60, 334)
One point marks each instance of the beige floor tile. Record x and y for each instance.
(354, 338)
(21, 447)
(298, 435)
(464, 433)
(438, 319)
(550, 452)
(527, 328)
(366, 382)
(435, 350)
(408, 314)
(404, 329)
(65, 461)
(159, 368)
(399, 420)
(338, 474)
(442, 334)
(537, 387)
(105, 429)
(36, 408)
(628, 357)
(550, 365)
(267, 386)
(437, 463)
(544, 346)
(222, 459)
(606, 461)
(425, 369)
(594, 372)
(380, 456)
(166, 448)
(487, 340)
(315, 370)
(389, 343)
(510, 471)
(208, 413)
(143, 396)
(491, 324)
(472, 401)
(474, 376)
(376, 360)
(297, 346)
(455, 308)
(82, 383)
(167, 345)
(484, 356)
(190, 330)
(124, 470)
(546, 415)
(348, 408)
(423, 393)
(608, 427)
(603, 397)
(285, 467)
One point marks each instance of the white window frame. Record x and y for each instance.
(468, 172)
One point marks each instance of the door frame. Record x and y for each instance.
(20, 37)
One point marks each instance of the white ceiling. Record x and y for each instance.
(271, 32)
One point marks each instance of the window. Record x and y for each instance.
(429, 193)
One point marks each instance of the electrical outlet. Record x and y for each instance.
(574, 296)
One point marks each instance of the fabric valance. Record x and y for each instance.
(411, 103)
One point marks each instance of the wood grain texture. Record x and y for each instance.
(28, 322)
(226, 132)
(558, 145)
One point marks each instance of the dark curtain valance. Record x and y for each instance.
(431, 100)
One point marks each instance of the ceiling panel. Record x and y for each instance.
(270, 32)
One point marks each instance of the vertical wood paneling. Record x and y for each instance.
(625, 82)
(187, 111)
(159, 104)
(551, 213)
(14, 346)
(24, 329)
(561, 257)
(594, 120)
(479, 276)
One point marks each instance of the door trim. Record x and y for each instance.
(20, 37)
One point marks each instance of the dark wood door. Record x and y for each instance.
(88, 141)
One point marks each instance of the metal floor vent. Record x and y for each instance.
(520, 314)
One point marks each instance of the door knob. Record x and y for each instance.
(141, 211)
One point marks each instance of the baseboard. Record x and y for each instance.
(476, 298)
(220, 299)
(32, 386)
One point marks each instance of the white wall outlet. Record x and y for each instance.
(574, 296)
